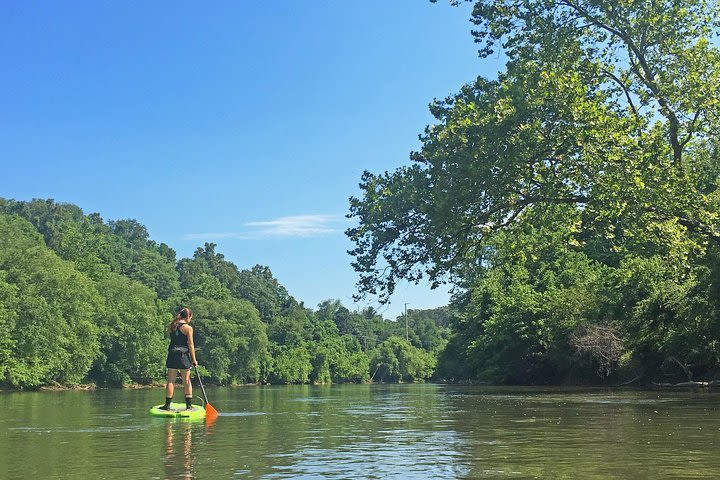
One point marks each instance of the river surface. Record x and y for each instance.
(364, 431)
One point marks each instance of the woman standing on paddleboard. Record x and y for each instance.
(181, 356)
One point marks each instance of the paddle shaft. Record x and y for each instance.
(212, 413)
(201, 385)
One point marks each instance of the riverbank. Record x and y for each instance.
(690, 385)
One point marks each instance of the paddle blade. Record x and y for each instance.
(210, 411)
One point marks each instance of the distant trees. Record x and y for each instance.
(131, 333)
(50, 309)
(231, 338)
(84, 300)
(397, 360)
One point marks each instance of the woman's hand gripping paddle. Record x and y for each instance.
(210, 412)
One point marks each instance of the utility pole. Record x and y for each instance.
(407, 337)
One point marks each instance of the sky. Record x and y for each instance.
(246, 124)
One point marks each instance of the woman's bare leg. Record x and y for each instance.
(185, 375)
(170, 385)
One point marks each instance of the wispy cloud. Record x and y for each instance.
(298, 226)
(290, 226)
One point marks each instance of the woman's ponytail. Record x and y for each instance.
(182, 315)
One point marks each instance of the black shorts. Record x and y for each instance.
(178, 359)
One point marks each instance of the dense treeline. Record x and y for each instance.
(573, 201)
(84, 300)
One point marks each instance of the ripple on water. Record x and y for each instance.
(402, 453)
(313, 400)
(113, 416)
(398, 417)
(562, 399)
(243, 414)
(377, 410)
(98, 429)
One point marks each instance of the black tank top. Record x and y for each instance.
(177, 338)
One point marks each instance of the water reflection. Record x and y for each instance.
(179, 457)
(391, 454)
(377, 433)
(366, 431)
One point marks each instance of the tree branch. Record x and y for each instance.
(645, 74)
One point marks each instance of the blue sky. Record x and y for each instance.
(246, 124)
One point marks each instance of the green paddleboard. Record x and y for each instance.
(178, 410)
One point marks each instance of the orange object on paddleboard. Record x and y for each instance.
(210, 412)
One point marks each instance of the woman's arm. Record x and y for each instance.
(191, 343)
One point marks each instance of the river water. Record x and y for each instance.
(364, 431)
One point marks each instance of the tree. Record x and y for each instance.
(132, 333)
(231, 340)
(672, 316)
(598, 140)
(132, 232)
(45, 215)
(396, 360)
(8, 319)
(82, 300)
(339, 360)
(204, 285)
(54, 336)
(602, 109)
(290, 364)
(83, 244)
(264, 291)
(209, 261)
(601, 343)
(151, 268)
(291, 328)
(429, 328)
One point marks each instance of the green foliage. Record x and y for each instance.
(344, 322)
(537, 289)
(291, 328)
(396, 360)
(206, 286)
(339, 360)
(290, 364)
(570, 122)
(231, 340)
(8, 319)
(45, 215)
(81, 243)
(54, 336)
(674, 322)
(206, 261)
(429, 329)
(82, 300)
(264, 291)
(151, 268)
(132, 333)
(578, 188)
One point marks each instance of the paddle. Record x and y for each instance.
(210, 411)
